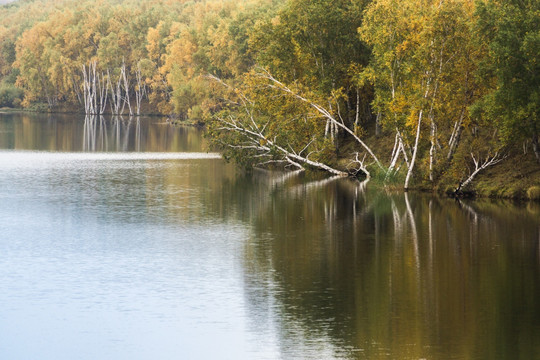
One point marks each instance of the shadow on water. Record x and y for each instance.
(351, 271)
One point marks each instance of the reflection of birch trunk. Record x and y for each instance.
(474, 223)
(302, 189)
(103, 133)
(398, 226)
(90, 133)
(430, 230)
(125, 144)
(276, 179)
(414, 234)
(84, 132)
(138, 134)
(116, 132)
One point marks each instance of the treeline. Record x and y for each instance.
(404, 90)
(105, 55)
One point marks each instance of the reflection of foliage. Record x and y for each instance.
(380, 272)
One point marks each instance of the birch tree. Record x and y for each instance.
(423, 72)
(251, 131)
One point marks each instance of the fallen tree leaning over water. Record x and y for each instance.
(244, 132)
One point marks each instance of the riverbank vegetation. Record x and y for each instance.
(420, 93)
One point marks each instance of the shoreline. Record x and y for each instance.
(503, 181)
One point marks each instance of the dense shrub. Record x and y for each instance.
(10, 96)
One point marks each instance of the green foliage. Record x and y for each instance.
(511, 28)
(403, 63)
(10, 96)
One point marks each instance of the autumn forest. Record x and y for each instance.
(415, 93)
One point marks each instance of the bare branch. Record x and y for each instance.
(357, 165)
(257, 136)
(479, 166)
(276, 84)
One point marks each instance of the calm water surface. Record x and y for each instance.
(126, 239)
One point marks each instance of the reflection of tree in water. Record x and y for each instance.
(102, 135)
(66, 133)
(364, 274)
(134, 133)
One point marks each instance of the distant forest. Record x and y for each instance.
(409, 91)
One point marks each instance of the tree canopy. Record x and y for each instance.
(418, 91)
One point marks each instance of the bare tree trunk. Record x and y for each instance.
(479, 166)
(140, 90)
(94, 87)
(126, 89)
(116, 94)
(432, 149)
(255, 137)
(378, 124)
(119, 96)
(357, 117)
(110, 86)
(88, 90)
(536, 147)
(76, 89)
(324, 112)
(94, 90)
(456, 135)
(415, 152)
(395, 155)
(85, 92)
(102, 90)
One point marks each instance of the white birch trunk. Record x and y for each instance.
(479, 166)
(415, 151)
(126, 90)
(321, 110)
(140, 90)
(456, 135)
(432, 149)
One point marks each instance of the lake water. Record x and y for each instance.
(126, 239)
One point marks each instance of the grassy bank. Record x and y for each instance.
(518, 177)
